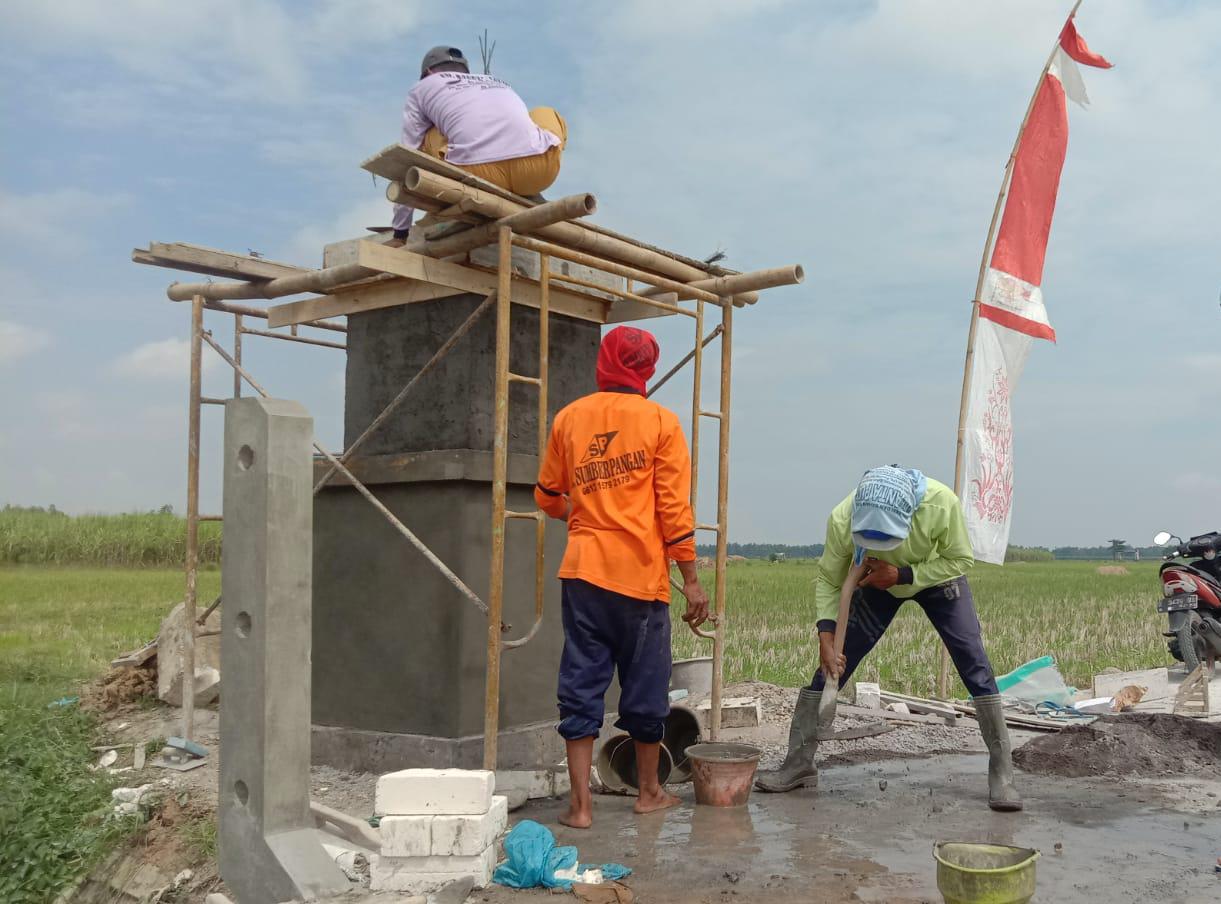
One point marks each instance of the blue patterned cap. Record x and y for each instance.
(885, 502)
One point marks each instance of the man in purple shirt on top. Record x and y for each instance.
(478, 123)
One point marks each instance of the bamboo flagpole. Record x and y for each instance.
(959, 475)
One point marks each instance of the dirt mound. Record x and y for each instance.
(121, 686)
(1112, 569)
(1136, 744)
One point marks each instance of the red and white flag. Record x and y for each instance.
(1011, 308)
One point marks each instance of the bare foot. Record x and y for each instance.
(577, 817)
(659, 800)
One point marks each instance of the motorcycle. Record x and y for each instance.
(1191, 597)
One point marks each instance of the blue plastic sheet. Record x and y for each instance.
(534, 857)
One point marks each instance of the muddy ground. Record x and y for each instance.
(866, 834)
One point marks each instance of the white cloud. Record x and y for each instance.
(164, 359)
(256, 50)
(18, 341)
(53, 217)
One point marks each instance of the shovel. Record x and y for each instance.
(830, 692)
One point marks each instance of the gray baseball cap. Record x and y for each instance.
(442, 54)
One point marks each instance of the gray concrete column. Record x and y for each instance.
(268, 848)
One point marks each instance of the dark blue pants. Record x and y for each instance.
(949, 607)
(605, 631)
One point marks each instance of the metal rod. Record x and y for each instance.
(456, 582)
(192, 563)
(608, 266)
(440, 353)
(290, 338)
(683, 363)
(500, 473)
(722, 519)
(238, 329)
(212, 608)
(208, 400)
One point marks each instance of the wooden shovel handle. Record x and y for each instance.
(855, 573)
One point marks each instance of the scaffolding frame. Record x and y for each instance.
(660, 293)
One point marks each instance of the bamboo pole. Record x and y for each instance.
(306, 340)
(261, 314)
(573, 235)
(697, 380)
(664, 286)
(500, 474)
(540, 522)
(741, 284)
(943, 673)
(722, 518)
(192, 563)
(320, 281)
(528, 219)
(622, 293)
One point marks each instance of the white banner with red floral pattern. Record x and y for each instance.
(1000, 355)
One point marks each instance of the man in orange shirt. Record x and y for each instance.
(618, 471)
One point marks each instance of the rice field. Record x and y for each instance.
(135, 540)
(59, 626)
(1086, 620)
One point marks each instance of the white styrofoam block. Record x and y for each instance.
(407, 836)
(868, 694)
(422, 875)
(467, 836)
(435, 792)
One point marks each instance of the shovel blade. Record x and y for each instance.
(826, 705)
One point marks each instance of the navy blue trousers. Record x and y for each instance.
(949, 607)
(606, 631)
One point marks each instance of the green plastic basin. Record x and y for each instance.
(972, 873)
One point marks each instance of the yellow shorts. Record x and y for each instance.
(522, 175)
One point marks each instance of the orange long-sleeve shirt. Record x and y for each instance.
(620, 463)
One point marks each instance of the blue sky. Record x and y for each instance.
(863, 140)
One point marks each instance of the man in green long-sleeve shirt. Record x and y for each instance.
(910, 534)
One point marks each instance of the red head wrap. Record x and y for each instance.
(627, 358)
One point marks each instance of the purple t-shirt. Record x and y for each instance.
(481, 117)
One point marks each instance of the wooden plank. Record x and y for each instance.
(209, 261)
(526, 292)
(1108, 684)
(920, 704)
(367, 297)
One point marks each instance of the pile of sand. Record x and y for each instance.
(1146, 744)
(121, 686)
